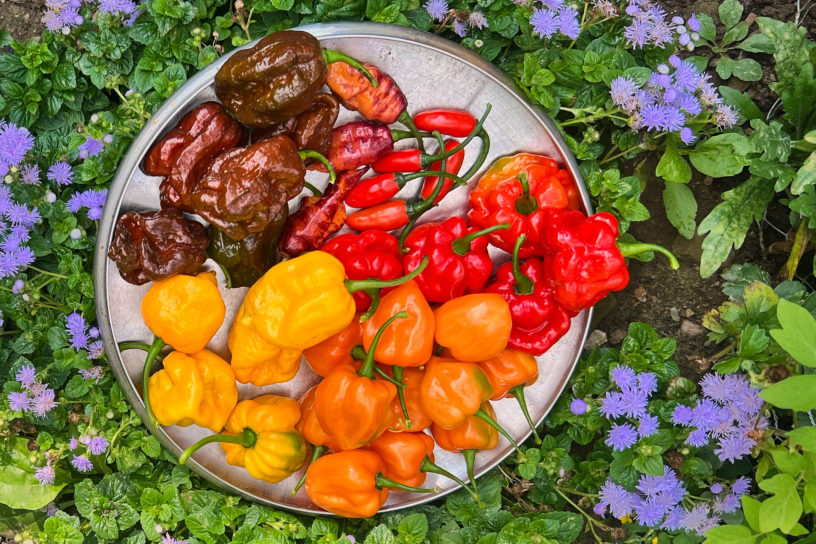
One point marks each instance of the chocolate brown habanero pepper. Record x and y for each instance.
(311, 129)
(185, 152)
(245, 188)
(151, 246)
(276, 79)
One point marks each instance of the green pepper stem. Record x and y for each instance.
(363, 285)
(402, 179)
(462, 245)
(398, 134)
(124, 346)
(154, 350)
(358, 353)
(522, 284)
(429, 466)
(518, 392)
(315, 191)
(367, 369)
(470, 462)
(398, 374)
(310, 154)
(332, 55)
(245, 439)
(405, 119)
(317, 451)
(484, 416)
(526, 203)
(480, 159)
(382, 481)
(227, 276)
(628, 249)
(427, 160)
(414, 210)
(381, 373)
(375, 303)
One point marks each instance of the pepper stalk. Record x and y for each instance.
(372, 287)
(245, 439)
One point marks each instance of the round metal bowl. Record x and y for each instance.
(432, 72)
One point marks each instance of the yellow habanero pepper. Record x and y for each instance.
(261, 436)
(297, 304)
(197, 389)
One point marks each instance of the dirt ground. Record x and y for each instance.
(22, 18)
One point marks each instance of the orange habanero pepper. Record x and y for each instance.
(509, 373)
(472, 435)
(335, 351)
(417, 419)
(474, 327)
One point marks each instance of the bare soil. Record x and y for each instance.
(22, 18)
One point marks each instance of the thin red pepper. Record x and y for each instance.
(378, 189)
(454, 165)
(456, 123)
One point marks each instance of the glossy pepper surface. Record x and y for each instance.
(472, 434)
(452, 390)
(402, 455)
(473, 327)
(335, 351)
(408, 342)
(345, 483)
(187, 150)
(370, 254)
(257, 361)
(150, 246)
(518, 190)
(458, 262)
(318, 217)
(184, 311)
(509, 373)
(248, 259)
(538, 319)
(197, 389)
(378, 189)
(457, 123)
(411, 380)
(309, 425)
(310, 129)
(383, 104)
(358, 144)
(453, 165)
(274, 80)
(245, 188)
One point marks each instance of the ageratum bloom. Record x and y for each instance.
(437, 9)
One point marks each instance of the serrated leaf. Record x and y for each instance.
(681, 208)
(794, 393)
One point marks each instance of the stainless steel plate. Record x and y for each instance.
(432, 72)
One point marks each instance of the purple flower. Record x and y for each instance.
(459, 28)
(437, 9)
(648, 426)
(26, 375)
(477, 20)
(555, 5)
(91, 148)
(19, 401)
(116, 7)
(624, 93)
(741, 486)
(72, 444)
(647, 382)
(637, 34)
(45, 474)
(665, 118)
(726, 117)
(706, 415)
(97, 445)
(674, 519)
(568, 23)
(95, 350)
(690, 103)
(60, 173)
(544, 22)
(734, 447)
(623, 376)
(621, 436)
(62, 15)
(686, 77)
(694, 23)
(682, 415)
(648, 512)
(634, 402)
(606, 8)
(168, 539)
(82, 463)
(93, 373)
(611, 405)
(730, 503)
(716, 488)
(75, 325)
(17, 287)
(43, 403)
(696, 519)
(578, 407)
(697, 438)
(619, 501)
(15, 142)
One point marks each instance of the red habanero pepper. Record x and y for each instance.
(458, 260)
(538, 320)
(378, 189)
(370, 254)
(453, 166)
(517, 190)
(456, 123)
(585, 260)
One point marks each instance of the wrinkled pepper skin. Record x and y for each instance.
(245, 188)
(197, 389)
(309, 425)
(311, 129)
(584, 263)
(151, 246)
(370, 254)
(498, 196)
(184, 311)
(402, 455)
(407, 342)
(187, 150)
(335, 350)
(452, 390)
(473, 327)
(276, 79)
(248, 259)
(345, 483)
(411, 379)
(256, 361)
(448, 274)
(318, 216)
(354, 409)
(538, 320)
(472, 434)
(509, 369)
(382, 104)
(279, 449)
(358, 144)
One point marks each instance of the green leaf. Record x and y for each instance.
(798, 101)
(649, 464)
(794, 393)
(672, 166)
(788, 462)
(750, 509)
(798, 333)
(805, 437)
(729, 534)
(773, 538)
(771, 139)
(63, 529)
(725, 66)
(722, 155)
(681, 208)
(735, 34)
(809, 497)
(729, 221)
(413, 529)
(806, 176)
(708, 30)
(747, 70)
(730, 12)
(783, 510)
(19, 489)
(758, 43)
(380, 535)
(741, 102)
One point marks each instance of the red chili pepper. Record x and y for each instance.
(456, 123)
(370, 254)
(357, 144)
(378, 189)
(387, 216)
(458, 260)
(453, 166)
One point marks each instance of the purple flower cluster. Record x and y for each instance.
(90, 148)
(728, 412)
(630, 403)
(16, 223)
(15, 142)
(61, 173)
(673, 96)
(45, 474)
(35, 396)
(650, 27)
(117, 7)
(80, 337)
(62, 15)
(437, 9)
(93, 200)
(556, 17)
(607, 8)
(168, 539)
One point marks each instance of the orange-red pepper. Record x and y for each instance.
(472, 435)
(335, 351)
(474, 327)
(418, 418)
(509, 373)
(309, 425)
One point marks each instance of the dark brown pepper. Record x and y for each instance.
(245, 188)
(276, 79)
(311, 129)
(150, 246)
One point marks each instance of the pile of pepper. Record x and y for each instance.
(411, 327)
